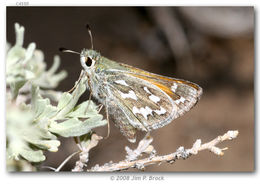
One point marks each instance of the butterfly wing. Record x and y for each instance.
(149, 101)
(185, 94)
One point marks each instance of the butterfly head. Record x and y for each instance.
(88, 59)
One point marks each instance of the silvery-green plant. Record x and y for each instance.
(33, 122)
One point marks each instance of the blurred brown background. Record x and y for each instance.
(211, 46)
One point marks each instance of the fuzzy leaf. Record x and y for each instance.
(48, 79)
(68, 101)
(75, 127)
(15, 87)
(21, 133)
(42, 107)
(30, 127)
(32, 156)
(84, 110)
(23, 65)
(21, 165)
(64, 100)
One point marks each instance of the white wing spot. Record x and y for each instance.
(154, 98)
(130, 94)
(122, 82)
(144, 111)
(146, 90)
(174, 87)
(182, 99)
(161, 111)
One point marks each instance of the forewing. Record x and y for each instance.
(151, 101)
(185, 94)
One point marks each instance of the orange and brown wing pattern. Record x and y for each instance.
(184, 93)
(146, 106)
(152, 101)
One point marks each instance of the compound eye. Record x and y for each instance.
(88, 61)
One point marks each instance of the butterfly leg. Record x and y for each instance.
(108, 124)
(77, 82)
(89, 98)
(100, 107)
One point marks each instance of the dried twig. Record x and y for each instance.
(83, 156)
(65, 161)
(143, 146)
(170, 158)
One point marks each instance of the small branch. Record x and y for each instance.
(83, 156)
(170, 158)
(143, 146)
(48, 167)
(65, 161)
(212, 144)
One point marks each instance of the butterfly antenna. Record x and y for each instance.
(68, 51)
(90, 35)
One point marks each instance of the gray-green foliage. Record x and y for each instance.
(32, 120)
